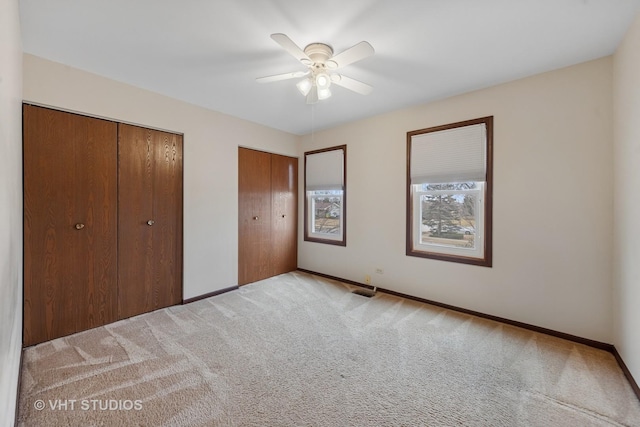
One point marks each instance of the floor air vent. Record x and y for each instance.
(365, 292)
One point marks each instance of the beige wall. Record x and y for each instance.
(552, 203)
(10, 208)
(211, 143)
(626, 107)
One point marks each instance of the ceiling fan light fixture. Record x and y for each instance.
(323, 81)
(324, 93)
(304, 86)
(321, 63)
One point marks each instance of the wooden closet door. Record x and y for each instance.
(284, 204)
(70, 211)
(149, 220)
(254, 215)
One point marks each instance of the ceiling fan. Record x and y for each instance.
(321, 64)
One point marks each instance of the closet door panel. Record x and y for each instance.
(70, 212)
(150, 220)
(96, 206)
(254, 215)
(284, 190)
(135, 242)
(167, 218)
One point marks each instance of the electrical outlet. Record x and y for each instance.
(379, 270)
(367, 279)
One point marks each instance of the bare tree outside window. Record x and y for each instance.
(327, 212)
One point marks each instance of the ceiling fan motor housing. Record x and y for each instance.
(319, 53)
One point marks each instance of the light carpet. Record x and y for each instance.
(299, 350)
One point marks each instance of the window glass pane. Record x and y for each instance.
(326, 212)
(448, 214)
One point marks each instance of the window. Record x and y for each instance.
(449, 192)
(325, 194)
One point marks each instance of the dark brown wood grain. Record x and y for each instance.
(167, 217)
(267, 215)
(284, 208)
(149, 189)
(254, 215)
(69, 178)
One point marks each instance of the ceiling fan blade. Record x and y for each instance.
(355, 53)
(352, 84)
(285, 76)
(288, 45)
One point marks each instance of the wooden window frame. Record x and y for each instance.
(308, 237)
(487, 259)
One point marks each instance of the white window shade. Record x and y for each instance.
(325, 171)
(452, 155)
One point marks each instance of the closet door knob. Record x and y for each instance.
(255, 218)
(150, 222)
(283, 216)
(79, 226)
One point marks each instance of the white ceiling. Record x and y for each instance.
(209, 52)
